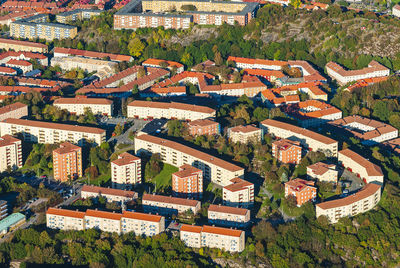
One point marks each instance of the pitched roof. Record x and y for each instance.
(8, 70)
(81, 100)
(103, 214)
(299, 185)
(125, 159)
(368, 190)
(108, 191)
(228, 210)
(12, 107)
(238, 184)
(244, 129)
(66, 147)
(373, 66)
(193, 152)
(66, 212)
(285, 144)
(202, 123)
(19, 62)
(141, 216)
(371, 168)
(186, 170)
(157, 62)
(7, 140)
(221, 231)
(170, 200)
(191, 228)
(172, 105)
(321, 168)
(22, 43)
(91, 54)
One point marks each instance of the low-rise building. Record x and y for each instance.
(65, 219)
(239, 193)
(228, 216)
(309, 139)
(396, 10)
(343, 76)
(360, 202)
(77, 14)
(11, 222)
(17, 45)
(171, 65)
(245, 134)
(126, 171)
(7, 71)
(60, 52)
(14, 110)
(213, 237)
(103, 220)
(302, 190)
(167, 205)
(50, 133)
(169, 110)
(367, 130)
(215, 169)
(323, 172)
(188, 182)
(22, 65)
(67, 162)
(79, 105)
(203, 127)
(10, 153)
(142, 224)
(112, 195)
(287, 151)
(366, 170)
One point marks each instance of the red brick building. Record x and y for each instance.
(302, 190)
(203, 127)
(287, 151)
(188, 182)
(67, 162)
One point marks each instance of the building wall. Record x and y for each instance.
(20, 47)
(330, 176)
(137, 20)
(64, 223)
(103, 224)
(303, 196)
(41, 31)
(191, 239)
(291, 155)
(188, 187)
(109, 197)
(67, 166)
(357, 168)
(79, 109)
(342, 80)
(11, 156)
(228, 243)
(168, 209)
(241, 198)
(127, 175)
(245, 137)
(140, 227)
(170, 113)
(204, 130)
(228, 219)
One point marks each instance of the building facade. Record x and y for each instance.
(126, 171)
(16, 45)
(245, 134)
(79, 105)
(203, 127)
(111, 195)
(287, 151)
(228, 216)
(167, 205)
(10, 153)
(302, 190)
(239, 193)
(323, 172)
(188, 182)
(67, 162)
(14, 110)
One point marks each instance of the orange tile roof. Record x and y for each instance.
(108, 191)
(26, 89)
(103, 214)
(125, 159)
(19, 62)
(299, 185)
(91, 54)
(228, 210)
(373, 66)
(298, 111)
(222, 231)
(202, 123)
(285, 144)
(187, 170)
(191, 228)
(7, 70)
(141, 216)
(170, 200)
(371, 168)
(321, 168)
(66, 147)
(238, 184)
(257, 61)
(264, 73)
(80, 100)
(166, 90)
(8, 140)
(172, 105)
(368, 190)
(157, 62)
(190, 151)
(12, 107)
(65, 212)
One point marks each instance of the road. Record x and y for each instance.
(138, 124)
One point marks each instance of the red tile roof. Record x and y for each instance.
(299, 185)
(7, 70)
(125, 159)
(238, 184)
(80, 100)
(373, 66)
(8, 140)
(202, 123)
(170, 200)
(321, 168)
(66, 147)
(228, 210)
(222, 231)
(22, 43)
(91, 54)
(108, 191)
(172, 105)
(187, 170)
(191, 228)
(19, 62)
(371, 168)
(157, 62)
(65, 213)
(141, 216)
(12, 107)
(244, 129)
(103, 214)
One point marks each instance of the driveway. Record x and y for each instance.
(138, 124)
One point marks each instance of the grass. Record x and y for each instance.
(100, 180)
(291, 211)
(163, 179)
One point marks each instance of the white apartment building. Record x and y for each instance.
(50, 133)
(64, 219)
(245, 134)
(307, 138)
(168, 205)
(10, 153)
(169, 110)
(343, 76)
(125, 222)
(14, 110)
(79, 105)
(360, 202)
(126, 171)
(213, 237)
(396, 10)
(239, 193)
(112, 195)
(357, 164)
(228, 216)
(323, 172)
(215, 169)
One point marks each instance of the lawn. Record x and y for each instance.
(100, 180)
(163, 179)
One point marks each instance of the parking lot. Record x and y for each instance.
(351, 180)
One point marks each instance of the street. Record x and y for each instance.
(124, 138)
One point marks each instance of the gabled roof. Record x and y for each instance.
(103, 214)
(371, 168)
(170, 200)
(66, 212)
(228, 210)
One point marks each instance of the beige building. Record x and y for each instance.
(10, 153)
(15, 110)
(167, 205)
(50, 133)
(215, 169)
(396, 10)
(239, 193)
(139, 223)
(213, 237)
(112, 195)
(323, 172)
(126, 171)
(360, 202)
(245, 134)
(79, 105)
(16, 45)
(228, 216)
(169, 110)
(366, 170)
(309, 139)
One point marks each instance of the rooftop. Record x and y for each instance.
(238, 184)
(125, 159)
(103, 214)
(108, 191)
(228, 210)
(299, 185)
(66, 147)
(170, 200)
(245, 129)
(371, 168)
(202, 123)
(141, 216)
(12, 107)
(8, 140)
(66, 212)
(11, 220)
(321, 168)
(172, 105)
(186, 170)
(82, 100)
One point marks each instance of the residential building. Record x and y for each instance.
(171, 65)
(7, 71)
(167, 205)
(157, 92)
(126, 171)
(367, 130)
(14, 110)
(366, 170)
(10, 153)
(213, 237)
(203, 127)
(312, 113)
(111, 195)
(169, 110)
(11, 222)
(366, 82)
(16, 45)
(228, 216)
(215, 169)
(125, 222)
(77, 14)
(287, 151)
(188, 182)
(80, 104)
(239, 193)
(3, 209)
(45, 132)
(23, 56)
(302, 190)
(323, 172)
(67, 162)
(309, 139)
(360, 202)
(392, 145)
(342, 76)
(396, 10)
(60, 52)
(20, 65)
(245, 134)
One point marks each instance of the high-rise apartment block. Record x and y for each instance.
(188, 182)
(126, 171)
(287, 151)
(67, 162)
(10, 153)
